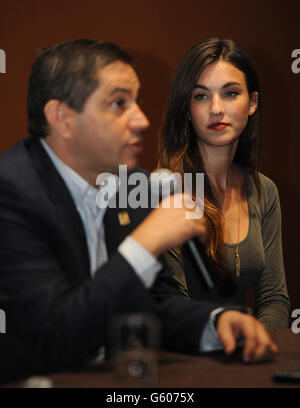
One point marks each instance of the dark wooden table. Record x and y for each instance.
(207, 371)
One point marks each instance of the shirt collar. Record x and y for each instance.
(77, 185)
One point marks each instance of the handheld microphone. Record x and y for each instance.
(164, 182)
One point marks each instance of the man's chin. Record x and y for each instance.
(131, 163)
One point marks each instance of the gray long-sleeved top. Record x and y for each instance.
(262, 265)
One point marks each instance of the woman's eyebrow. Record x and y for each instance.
(197, 86)
(228, 84)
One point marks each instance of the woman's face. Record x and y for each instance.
(221, 104)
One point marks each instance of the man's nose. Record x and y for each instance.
(139, 119)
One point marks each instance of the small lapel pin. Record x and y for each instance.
(124, 218)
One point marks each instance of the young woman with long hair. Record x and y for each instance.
(212, 125)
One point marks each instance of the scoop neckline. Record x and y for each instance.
(247, 191)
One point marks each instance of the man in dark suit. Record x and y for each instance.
(67, 266)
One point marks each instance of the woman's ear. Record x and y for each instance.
(253, 102)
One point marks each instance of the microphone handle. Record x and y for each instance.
(200, 264)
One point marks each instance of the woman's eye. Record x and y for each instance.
(201, 97)
(231, 94)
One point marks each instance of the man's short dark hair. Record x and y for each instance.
(67, 72)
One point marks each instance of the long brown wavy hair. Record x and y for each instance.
(179, 145)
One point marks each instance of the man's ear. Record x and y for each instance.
(253, 102)
(59, 116)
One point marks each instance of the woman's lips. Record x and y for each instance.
(218, 126)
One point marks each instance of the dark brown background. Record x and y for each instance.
(158, 33)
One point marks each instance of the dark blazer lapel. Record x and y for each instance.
(115, 232)
(63, 203)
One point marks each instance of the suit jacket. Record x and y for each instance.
(56, 312)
